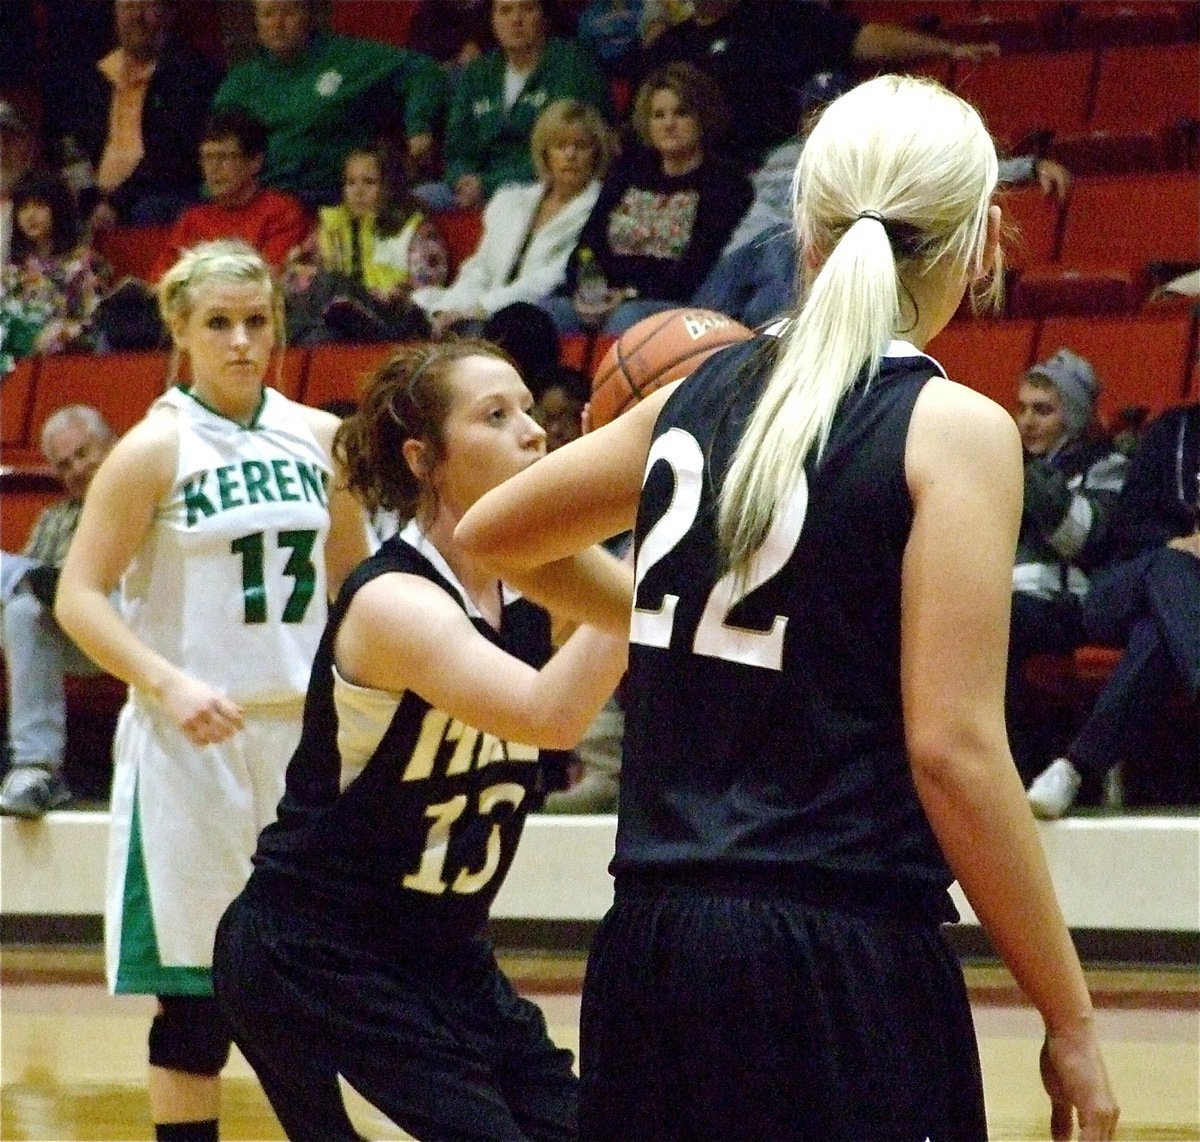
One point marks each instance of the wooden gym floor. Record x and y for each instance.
(71, 1057)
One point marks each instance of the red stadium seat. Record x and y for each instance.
(336, 371)
(1144, 95)
(288, 373)
(132, 250)
(1022, 95)
(575, 350)
(1115, 227)
(1141, 360)
(1021, 27)
(1133, 220)
(121, 385)
(16, 405)
(1099, 23)
(461, 230)
(989, 356)
(1054, 290)
(383, 20)
(924, 14)
(1035, 219)
(24, 492)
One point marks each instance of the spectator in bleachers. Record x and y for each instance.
(761, 55)
(755, 278)
(135, 120)
(530, 229)
(17, 149)
(38, 655)
(664, 212)
(1148, 601)
(354, 275)
(1073, 476)
(233, 148)
(322, 95)
(498, 98)
(53, 280)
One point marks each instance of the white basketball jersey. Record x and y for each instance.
(230, 581)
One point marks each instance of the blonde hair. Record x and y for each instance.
(555, 120)
(896, 178)
(226, 260)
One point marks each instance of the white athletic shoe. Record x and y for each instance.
(1054, 790)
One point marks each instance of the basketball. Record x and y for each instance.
(658, 349)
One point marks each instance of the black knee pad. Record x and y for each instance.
(189, 1034)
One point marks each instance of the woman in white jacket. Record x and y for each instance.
(529, 229)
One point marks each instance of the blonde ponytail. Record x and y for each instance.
(895, 178)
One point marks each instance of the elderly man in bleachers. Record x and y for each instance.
(37, 654)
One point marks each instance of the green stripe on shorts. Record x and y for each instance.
(140, 970)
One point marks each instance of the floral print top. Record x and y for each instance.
(59, 295)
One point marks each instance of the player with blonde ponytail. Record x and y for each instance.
(815, 744)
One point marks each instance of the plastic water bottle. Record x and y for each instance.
(591, 288)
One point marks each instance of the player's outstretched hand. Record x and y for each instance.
(205, 715)
(1076, 1080)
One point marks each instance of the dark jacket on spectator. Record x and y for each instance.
(657, 233)
(173, 118)
(1161, 499)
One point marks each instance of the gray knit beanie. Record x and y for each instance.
(1074, 379)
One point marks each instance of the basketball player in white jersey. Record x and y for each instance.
(815, 743)
(221, 517)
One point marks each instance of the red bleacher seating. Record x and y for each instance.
(292, 373)
(24, 492)
(461, 229)
(132, 250)
(1036, 219)
(1133, 219)
(989, 356)
(1144, 97)
(1099, 23)
(1115, 226)
(386, 22)
(1141, 361)
(924, 14)
(1021, 27)
(121, 385)
(335, 371)
(1031, 92)
(17, 402)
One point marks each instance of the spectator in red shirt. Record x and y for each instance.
(232, 150)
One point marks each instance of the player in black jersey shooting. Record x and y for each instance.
(358, 947)
(815, 743)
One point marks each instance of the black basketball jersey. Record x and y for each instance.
(763, 728)
(399, 823)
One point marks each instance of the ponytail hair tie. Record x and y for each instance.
(872, 214)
